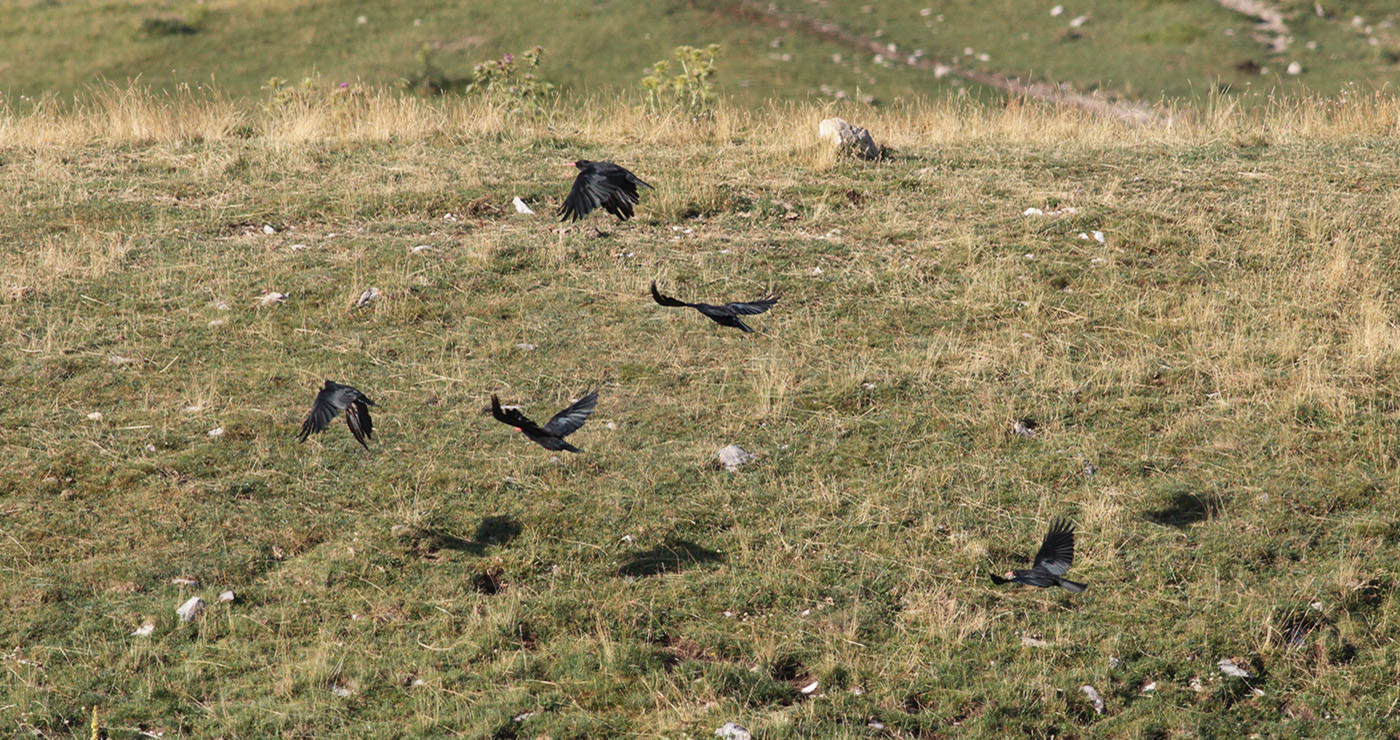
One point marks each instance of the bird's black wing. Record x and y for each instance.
(665, 300)
(512, 417)
(321, 414)
(570, 419)
(1057, 551)
(357, 418)
(590, 190)
(758, 305)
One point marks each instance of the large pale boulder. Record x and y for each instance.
(847, 138)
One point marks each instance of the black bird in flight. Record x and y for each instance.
(333, 399)
(1051, 563)
(551, 437)
(601, 184)
(727, 315)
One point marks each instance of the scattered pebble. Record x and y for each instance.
(1098, 237)
(217, 322)
(732, 731)
(297, 247)
(1149, 687)
(227, 597)
(362, 20)
(1025, 427)
(150, 447)
(144, 630)
(521, 207)
(1093, 696)
(184, 581)
(1295, 68)
(610, 426)
(1032, 212)
(810, 688)
(1317, 605)
(119, 360)
(1196, 685)
(1056, 11)
(267, 229)
(1028, 641)
(1079, 21)
(336, 688)
(522, 717)
(816, 271)
(526, 346)
(1229, 668)
(272, 297)
(421, 248)
(190, 609)
(449, 217)
(222, 306)
(733, 457)
(216, 432)
(95, 416)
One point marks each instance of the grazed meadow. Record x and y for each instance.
(1225, 361)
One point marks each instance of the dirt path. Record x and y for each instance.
(1140, 113)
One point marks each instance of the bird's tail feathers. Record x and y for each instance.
(1077, 588)
(739, 323)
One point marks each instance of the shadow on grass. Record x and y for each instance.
(492, 531)
(1184, 509)
(672, 556)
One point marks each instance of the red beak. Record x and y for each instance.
(570, 164)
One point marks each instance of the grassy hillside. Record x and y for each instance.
(1141, 49)
(1225, 361)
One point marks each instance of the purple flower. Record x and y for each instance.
(344, 85)
(508, 58)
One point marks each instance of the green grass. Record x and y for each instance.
(1139, 49)
(1226, 361)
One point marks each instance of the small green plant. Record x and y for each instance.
(427, 78)
(691, 88)
(513, 82)
(310, 91)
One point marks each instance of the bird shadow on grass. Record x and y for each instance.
(491, 532)
(672, 556)
(1184, 508)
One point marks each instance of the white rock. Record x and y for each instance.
(1057, 10)
(1093, 696)
(217, 322)
(847, 138)
(421, 248)
(1229, 668)
(522, 716)
(272, 297)
(150, 447)
(336, 688)
(119, 360)
(362, 20)
(1032, 212)
(227, 597)
(371, 293)
(267, 229)
(95, 416)
(733, 457)
(184, 581)
(732, 731)
(449, 217)
(222, 306)
(984, 57)
(1028, 641)
(1079, 21)
(1149, 687)
(298, 247)
(144, 630)
(809, 688)
(1098, 237)
(1295, 68)
(216, 432)
(610, 426)
(525, 346)
(1196, 684)
(190, 609)
(875, 724)
(520, 207)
